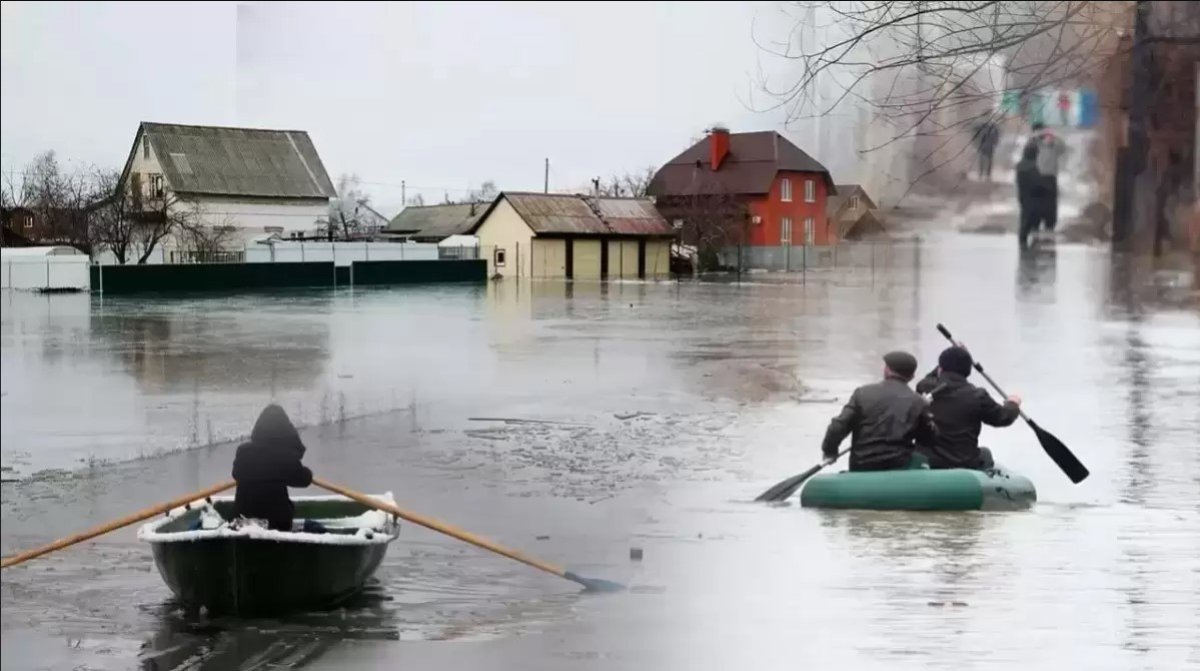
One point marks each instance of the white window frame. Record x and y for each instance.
(810, 231)
(145, 147)
(810, 191)
(854, 202)
(785, 190)
(785, 231)
(156, 185)
(499, 257)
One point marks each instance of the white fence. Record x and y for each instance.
(45, 273)
(341, 253)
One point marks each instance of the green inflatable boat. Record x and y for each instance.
(920, 489)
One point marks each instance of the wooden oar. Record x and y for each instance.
(1054, 447)
(115, 524)
(784, 489)
(592, 584)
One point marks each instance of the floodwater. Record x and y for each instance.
(578, 422)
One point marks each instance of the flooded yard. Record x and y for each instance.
(582, 421)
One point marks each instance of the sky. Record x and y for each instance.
(441, 96)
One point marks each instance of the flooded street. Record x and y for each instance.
(578, 422)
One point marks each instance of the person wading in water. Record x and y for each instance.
(884, 419)
(266, 466)
(960, 409)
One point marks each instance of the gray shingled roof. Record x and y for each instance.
(237, 161)
(569, 214)
(438, 221)
(834, 202)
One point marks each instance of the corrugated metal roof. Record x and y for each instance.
(238, 161)
(753, 161)
(438, 221)
(569, 214)
(632, 216)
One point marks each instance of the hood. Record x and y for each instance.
(274, 429)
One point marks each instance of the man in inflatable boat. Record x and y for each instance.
(960, 409)
(884, 419)
(265, 466)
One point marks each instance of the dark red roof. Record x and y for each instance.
(753, 161)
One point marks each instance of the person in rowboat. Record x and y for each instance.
(960, 409)
(883, 419)
(266, 466)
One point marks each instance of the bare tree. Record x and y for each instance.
(933, 72)
(203, 241)
(486, 193)
(58, 200)
(130, 223)
(629, 185)
(416, 201)
(709, 218)
(345, 210)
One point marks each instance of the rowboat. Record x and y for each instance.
(920, 489)
(240, 567)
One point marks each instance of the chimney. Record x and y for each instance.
(718, 146)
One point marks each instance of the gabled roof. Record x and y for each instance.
(438, 221)
(750, 167)
(569, 214)
(844, 192)
(215, 160)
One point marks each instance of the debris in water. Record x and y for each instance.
(632, 415)
(635, 554)
(542, 538)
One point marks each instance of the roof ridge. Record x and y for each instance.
(192, 125)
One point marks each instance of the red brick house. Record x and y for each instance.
(781, 190)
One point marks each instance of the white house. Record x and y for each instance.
(257, 181)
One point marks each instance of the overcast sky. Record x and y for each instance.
(441, 95)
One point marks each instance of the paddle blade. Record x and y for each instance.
(1061, 455)
(782, 490)
(594, 584)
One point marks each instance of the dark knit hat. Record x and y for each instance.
(956, 360)
(901, 363)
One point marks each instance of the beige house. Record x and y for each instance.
(574, 237)
(852, 214)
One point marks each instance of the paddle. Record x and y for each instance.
(116, 524)
(783, 490)
(591, 584)
(1054, 447)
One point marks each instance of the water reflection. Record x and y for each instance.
(1037, 271)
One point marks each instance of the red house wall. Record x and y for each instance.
(771, 209)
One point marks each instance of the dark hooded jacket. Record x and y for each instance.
(884, 419)
(266, 466)
(960, 410)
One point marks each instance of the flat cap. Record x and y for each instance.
(901, 363)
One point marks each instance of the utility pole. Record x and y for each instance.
(403, 193)
(1131, 159)
(546, 178)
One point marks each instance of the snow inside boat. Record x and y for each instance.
(240, 567)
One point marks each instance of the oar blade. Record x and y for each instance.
(783, 490)
(594, 584)
(1060, 453)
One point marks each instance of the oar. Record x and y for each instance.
(115, 524)
(782, 490)
(1054, 447)
(592, 584)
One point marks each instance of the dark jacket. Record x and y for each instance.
(884, 418)
(1031, 191)
(266, 466)
(960, 409)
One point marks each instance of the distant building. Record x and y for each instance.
(256, 181)
(852, 214)
(574, 237)
(434, 223)
(780, 191)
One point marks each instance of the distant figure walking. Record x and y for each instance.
(987, 137)
(1031, 194)
(1050, 150)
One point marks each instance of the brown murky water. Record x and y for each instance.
(654, 413)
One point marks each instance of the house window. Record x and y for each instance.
(785, 190)
(854, 202)
(810, 191)
(498, 257)
(785, 231)
(809, 231)
(145, 147)
(156, 186)
(28, 222)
